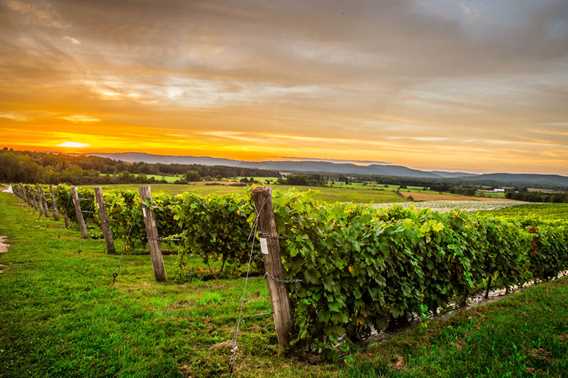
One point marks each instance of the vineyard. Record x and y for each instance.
(349, 270)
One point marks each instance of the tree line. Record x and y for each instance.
(537, 196)
(54, 168)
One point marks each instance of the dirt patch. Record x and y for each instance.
(3, 249)
(4, 244)
(431, 196)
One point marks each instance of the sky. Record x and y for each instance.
(475, 85)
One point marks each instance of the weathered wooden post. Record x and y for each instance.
(79, 213)
(39, 205)
(152, 234)
(270, 247)
(26, 196)
(54, 209)
(33, 197)
(43, 202)
(105, 227)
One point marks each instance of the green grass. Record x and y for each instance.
(488, 194)
(60, 316)
(545, 210)
(168, 178)
(330, 194)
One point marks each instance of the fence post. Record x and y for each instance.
(107, 233)
(55, 210)
(43, 202)
(26, 196)
(33, 196)
(79, 213)
(152, 234)
(39, 204)
(273, 265)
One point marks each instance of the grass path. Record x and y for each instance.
(60, 316)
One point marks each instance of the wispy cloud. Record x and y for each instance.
(72, 40)
(39, 13)
(80, 118)
(13, 116)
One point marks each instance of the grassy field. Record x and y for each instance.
(331, 194)
(546, 210)
(168, 178)
(339, 192)
(436, 196)
(61, 315)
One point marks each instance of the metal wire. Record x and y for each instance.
(234, 342)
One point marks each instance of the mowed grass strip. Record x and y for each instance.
(60, 316)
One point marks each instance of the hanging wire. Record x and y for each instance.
(234, 341)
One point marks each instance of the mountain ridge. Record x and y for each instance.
(349, 168)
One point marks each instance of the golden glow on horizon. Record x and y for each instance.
(71, 144)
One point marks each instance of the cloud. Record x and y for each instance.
(72, 40)
(80, 118)
(12, 116)
(37, 12)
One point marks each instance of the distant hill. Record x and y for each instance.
(315, 166)
(288, 166)
(518, 179)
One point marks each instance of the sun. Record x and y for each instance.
(71, 144)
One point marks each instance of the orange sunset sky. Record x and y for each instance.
(438, 84)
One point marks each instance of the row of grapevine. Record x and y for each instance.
(351, 268)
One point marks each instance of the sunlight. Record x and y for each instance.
(70, 144)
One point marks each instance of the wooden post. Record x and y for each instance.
(55, 210)
(107, 233)
(26, 196)
(78, 213)
(31, 197)
(152, 234)
(273, 266)
(43, 202)
(39, 205)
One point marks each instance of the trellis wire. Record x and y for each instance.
(234, 342)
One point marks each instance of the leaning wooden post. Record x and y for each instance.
(55, 210)
(152, 234)
(107, 233)
(79, 213)
(273, 266)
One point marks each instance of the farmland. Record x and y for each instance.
(62, 315)
(549, 211)
(355, 193)
(330, 194)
